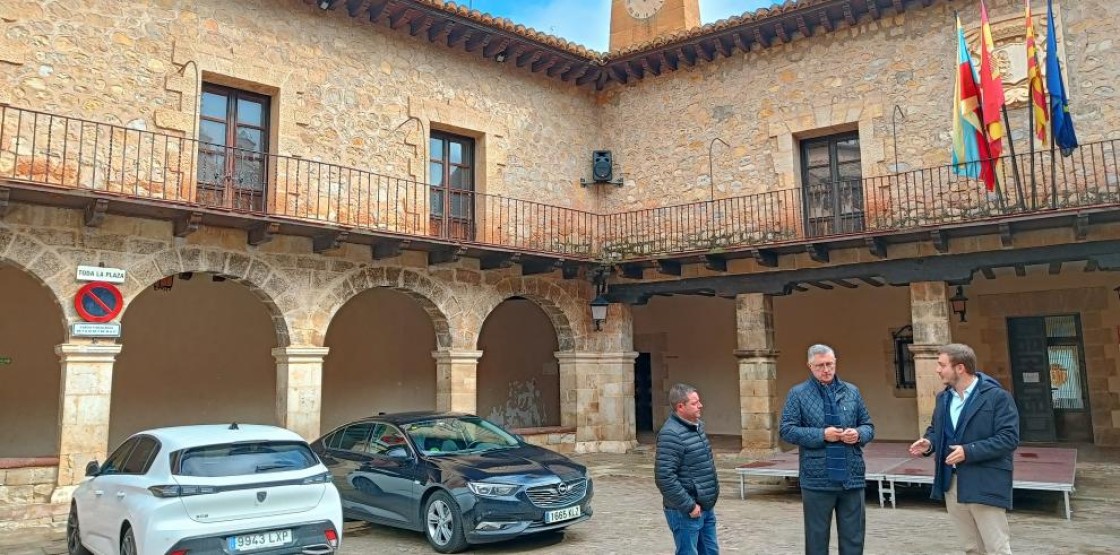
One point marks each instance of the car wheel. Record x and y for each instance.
(443, 525)
(128, 543)
(73, 536)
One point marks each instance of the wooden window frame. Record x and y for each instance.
(838, 222)
(452, 209)
(229, 194)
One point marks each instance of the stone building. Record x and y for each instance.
(330, 208)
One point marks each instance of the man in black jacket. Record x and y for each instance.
(685, 471)
(974, 433)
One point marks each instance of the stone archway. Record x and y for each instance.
(563, 308)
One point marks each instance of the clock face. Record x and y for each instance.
(643, 9)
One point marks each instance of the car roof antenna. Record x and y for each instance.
(233, 426)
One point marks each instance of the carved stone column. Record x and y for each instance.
(597, 397)
(85, 395)
(758, 374)
(929, 315)
(299, 389)
(457, 380)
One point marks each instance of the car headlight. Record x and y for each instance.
(492, 490)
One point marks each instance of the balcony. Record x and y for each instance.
(57, 160)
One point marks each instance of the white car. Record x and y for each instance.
(224, 489)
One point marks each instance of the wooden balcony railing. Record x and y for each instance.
(60, 152)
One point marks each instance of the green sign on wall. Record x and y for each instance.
(5, 360)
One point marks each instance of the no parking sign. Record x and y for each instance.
(98, 302)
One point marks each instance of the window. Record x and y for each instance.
(387, 441)
(350, 438)
(1063, 346)
(233, 148)
(831, 180)
(451, 173)
(115, 463)
(141, 457)
(904, 359)
(242, 459)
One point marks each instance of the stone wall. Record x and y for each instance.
(25, 496)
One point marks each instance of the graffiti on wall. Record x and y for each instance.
(522, 408)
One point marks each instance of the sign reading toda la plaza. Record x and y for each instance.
(97, 273)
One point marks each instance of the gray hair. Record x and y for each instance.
(679, 394)
(820, 349)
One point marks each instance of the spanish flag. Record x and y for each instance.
(1039, 105)
(968, 135)
(991, 90)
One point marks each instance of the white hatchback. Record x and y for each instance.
(190, 490)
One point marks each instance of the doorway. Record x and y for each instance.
(643, 393)
(1048, 372)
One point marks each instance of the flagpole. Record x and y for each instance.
(1030, 112)
(1053, 157)
(1001, 202)
(1014, 160)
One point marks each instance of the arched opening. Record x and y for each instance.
(198, 351)
(518, 375)
(30, 328)
(380, 358)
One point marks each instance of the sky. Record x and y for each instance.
(587, 22)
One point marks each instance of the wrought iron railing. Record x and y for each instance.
(70, 153)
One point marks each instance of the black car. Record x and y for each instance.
(457, 477)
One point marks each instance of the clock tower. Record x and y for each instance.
(639, 21)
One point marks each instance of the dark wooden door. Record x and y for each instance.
(1030, 371)
(832, 185)
(232, 149)
(643, 393)
(452, 197)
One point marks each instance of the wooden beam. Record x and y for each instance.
(494, 48)
(377, 10)
(715, 262)
(459, 34)
(688, 55)
(765, 257)
(669, 267)
(558, 69)
(1005, 235)
(589, 77)
(95, 212)
(821, 285)
(669, 61)
(877, 246)
(446, 255)
(569, 271)
(803, 27)
(399, 18)
(329, 241)
(849, 17)
(940, 240)
(357, 7)
(419, 25)
(576, 72)
(1081, 226)
(742, 42)
(1055, 268)
(620, 73)
(826, 23)
(648, 67)
(988, 273)
(186, 224)
(635, 70)
(632, 271)
(544, 64)
(817, 251)
(722, 47)
(439, 30)
(1020, 270)
(262, 232)
(478, 39)
(499, 261)
(758, 38)
(534, 267)
(871, 281)
(5, 202)
(873, 8)
(388, 248)
(528, 57)
(844, 283)
(703, 52)
(780, 32)
(899, 6)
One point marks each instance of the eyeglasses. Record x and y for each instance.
(823, 365)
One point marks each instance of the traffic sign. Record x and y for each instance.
(98, 302)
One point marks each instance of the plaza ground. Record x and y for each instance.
(628, 519)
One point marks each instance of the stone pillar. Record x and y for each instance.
(457, 380)
(929, 315)
(299, 389)
(758, 374)
(597, 397)
(87, 383)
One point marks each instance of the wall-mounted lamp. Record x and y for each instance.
(959, 303)
(600, 304)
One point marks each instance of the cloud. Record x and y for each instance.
(587, 22)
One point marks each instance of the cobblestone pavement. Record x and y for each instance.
(628, 520)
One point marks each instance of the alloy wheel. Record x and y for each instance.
(128, 543)
(440, 522)
(73, 534)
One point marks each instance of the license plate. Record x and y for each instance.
(262, 540)
(562, 514)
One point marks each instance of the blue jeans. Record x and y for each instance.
(693, 536)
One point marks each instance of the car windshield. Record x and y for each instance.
(239, 459)
(462, 434)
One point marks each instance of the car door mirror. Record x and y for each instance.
(92, 468)
(399, 454)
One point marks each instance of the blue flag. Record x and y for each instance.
(1062, 123)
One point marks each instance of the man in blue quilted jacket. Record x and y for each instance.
(685, 472)
(973, 435)
(828, 422)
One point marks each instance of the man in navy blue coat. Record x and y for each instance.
(974, 434)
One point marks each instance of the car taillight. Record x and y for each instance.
(332, 537)
(318, 478)
(178, 552)
(180, 491)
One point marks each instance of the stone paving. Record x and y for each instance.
(628, 520)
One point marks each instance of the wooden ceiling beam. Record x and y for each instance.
(873, 8)
(495, 47)
(668, 61)
(357, 7)
(478, 40)
(460, 34)
(742, 42)
(803, 27)
(758, 38)
(704, 51)
(588, 77)
(826, 22)
(722, 47)
(544, 64)
(439, 30)
(688, 54)
(648, 67)
(398, 18)
(420, 25)
(780, 32)
(559, 69)
(849, 17)
(576, 72)
(899, 6)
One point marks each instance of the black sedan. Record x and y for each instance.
(458, 478)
